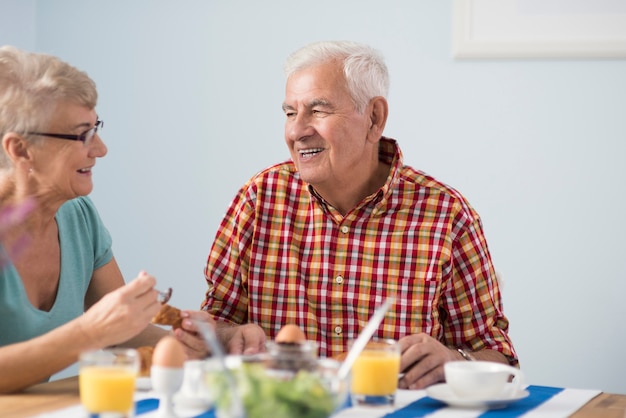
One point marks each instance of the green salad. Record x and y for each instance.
(266, 394)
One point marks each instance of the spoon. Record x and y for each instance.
(164, 296)
(364, 337)
(208, 334)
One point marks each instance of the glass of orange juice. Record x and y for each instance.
(106, 380)
(375, 374)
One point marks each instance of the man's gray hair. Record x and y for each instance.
(364, 68)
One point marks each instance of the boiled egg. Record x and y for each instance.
(169, 352)
(290, 334)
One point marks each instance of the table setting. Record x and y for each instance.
(541, 402)
(290, 381)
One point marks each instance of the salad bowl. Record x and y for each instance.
(253, 387)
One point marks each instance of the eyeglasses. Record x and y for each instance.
(86, 137)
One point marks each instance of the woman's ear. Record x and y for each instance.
(15, 147)
(378, 112)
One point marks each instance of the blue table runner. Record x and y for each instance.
(420, 408)
(426, 405)
(152, 404)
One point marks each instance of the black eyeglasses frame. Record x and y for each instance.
(80, 137)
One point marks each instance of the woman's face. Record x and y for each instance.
(62, 168)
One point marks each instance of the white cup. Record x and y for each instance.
(482, 379)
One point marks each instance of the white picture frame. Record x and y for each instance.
(500, 29)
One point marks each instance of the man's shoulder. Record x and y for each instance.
(285, 171)
(421, 179)
(273, 188)
(274, 180)
(422, 183)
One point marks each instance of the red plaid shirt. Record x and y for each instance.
(283, 255)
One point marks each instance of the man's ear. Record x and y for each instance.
(378, 112)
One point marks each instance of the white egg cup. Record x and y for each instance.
(194, 392)
(165, 382)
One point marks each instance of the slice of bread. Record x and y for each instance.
(168, 315)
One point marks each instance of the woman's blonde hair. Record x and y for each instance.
(31, 87)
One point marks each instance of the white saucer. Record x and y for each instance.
(143, 383)
(187, 401)
(443, 393)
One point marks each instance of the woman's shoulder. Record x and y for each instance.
(79, 210)
(80, 225)
(81, 204)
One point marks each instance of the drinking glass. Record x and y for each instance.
(375, 374)
(107, 381)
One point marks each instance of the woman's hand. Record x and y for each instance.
(122, 313)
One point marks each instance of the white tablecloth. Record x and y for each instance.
(560, 405)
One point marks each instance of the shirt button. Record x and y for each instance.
(338, 330)
(339, 279)
(345, 229)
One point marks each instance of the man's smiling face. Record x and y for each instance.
(326, 136)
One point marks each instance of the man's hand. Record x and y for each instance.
(423, 358)
(422, 361)
(246, 339)
(189, 335)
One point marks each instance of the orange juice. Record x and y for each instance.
(106, 389)
(375, 373)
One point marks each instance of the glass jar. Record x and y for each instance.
(292, 357)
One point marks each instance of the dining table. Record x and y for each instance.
(60, 398)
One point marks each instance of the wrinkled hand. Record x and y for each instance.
(189, 336)
(246, 339)
(422, 361)
(122, 313)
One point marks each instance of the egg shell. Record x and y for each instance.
(169, 352)
(290, 333)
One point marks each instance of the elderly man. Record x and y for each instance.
(322, 239)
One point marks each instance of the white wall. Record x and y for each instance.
(191, 94)
(17, 23)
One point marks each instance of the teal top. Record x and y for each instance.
(85, 246)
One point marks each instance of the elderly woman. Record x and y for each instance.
(62, 291)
